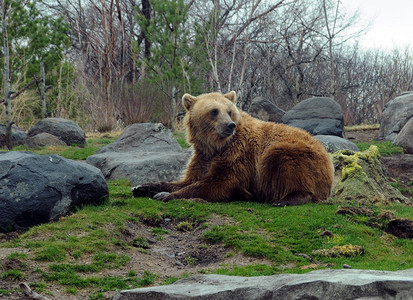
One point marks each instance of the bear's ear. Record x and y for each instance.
(188, 101)
(231, 96)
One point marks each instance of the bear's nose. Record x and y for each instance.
(231, 125)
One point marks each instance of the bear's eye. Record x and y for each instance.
(230, 113)
(214, 112)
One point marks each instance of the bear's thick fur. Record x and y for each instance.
(237, 157)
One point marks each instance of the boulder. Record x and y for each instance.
(265, 110)
(44, 139)
(321, 284)
(143, 153)
(317, 115)
(405, 137)
(66, 130)
(361, 176)
(18, 135)
(334, 143)
(395, 115)
(37, 189)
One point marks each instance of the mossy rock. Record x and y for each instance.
(338, 251)
(361, 176)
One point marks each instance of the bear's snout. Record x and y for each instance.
(228, 129)
(231, 126)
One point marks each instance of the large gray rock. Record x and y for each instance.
(18, 135)
(395, 115)
(334, 143)
(36, 189)
(143, 153)
(265, 110)
(44, 139)
(323, 284)
(317, 115)
(66, 130)
(405, 137)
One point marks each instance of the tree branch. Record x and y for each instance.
(36, 80)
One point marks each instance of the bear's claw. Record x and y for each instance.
(145, 190)
(140, 191)
(162, 196)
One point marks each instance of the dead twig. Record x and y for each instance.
(28, 291)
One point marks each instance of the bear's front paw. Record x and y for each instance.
(145, 190)
(162, 196)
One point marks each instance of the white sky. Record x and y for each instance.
(391, 22)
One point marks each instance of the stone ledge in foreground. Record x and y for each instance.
(320, 284)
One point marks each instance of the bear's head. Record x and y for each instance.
(211, 120)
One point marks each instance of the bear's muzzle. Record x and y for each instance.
(228, 129)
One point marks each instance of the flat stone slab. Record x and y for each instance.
(320, 284)
(334, 143)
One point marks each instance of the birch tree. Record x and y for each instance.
(6, 75)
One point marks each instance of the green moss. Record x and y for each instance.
(338, 251)
(360, 175)
(353, 170)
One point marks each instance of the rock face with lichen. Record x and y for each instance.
(361, 176)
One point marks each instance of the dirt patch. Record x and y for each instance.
(351, 210)
(365, 135)
(173, 253)
(402, 228)
(400, 167)
(177, 252)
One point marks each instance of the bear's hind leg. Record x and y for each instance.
(292, 174)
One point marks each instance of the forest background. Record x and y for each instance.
(111, 63)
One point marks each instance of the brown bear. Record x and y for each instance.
(237, 157)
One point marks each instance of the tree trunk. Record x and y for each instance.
(175, 92)
(7, 103)
(43, 90)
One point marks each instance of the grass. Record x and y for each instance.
(180, 137)
(407, 190)
(386, 148)
(71, 152)
(4, 292)
(80, 250)
(258, 230)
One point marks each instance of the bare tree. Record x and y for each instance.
(6, 76)
(285, 50)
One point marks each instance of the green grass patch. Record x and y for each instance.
(71, 279)
(50, 252)
(70, 152)
(4, 292)
(407, 190)
(16, 255)
(13, 275)
(256, 230)
(386, 148)
(38, 286)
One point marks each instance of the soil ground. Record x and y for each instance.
(177, 253)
